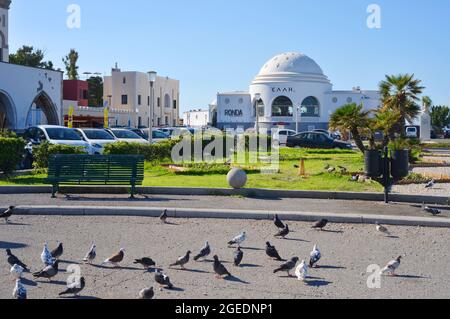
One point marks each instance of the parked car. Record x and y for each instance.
(412, 132)
(124, 135)
(98, 138)
(281, 136)
(157, 135)
(316, 140)
(333, 135)
(446, 132)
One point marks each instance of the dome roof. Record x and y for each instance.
(291, 62)
(5, 4)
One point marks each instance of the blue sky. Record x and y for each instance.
(220, 45)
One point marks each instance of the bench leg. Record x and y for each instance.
(54, 190)
(133, 191)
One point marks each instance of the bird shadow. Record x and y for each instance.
(297, 239)
(251, 248)
(332, 231)
(152, 270)
(250, 266)
(330, 267)
(70, 262)
(8, 245)
(178, 289)
(14, 224)
(393, 237)
(28, 282)
(237, 280)
(57, 282)
(318, 283)
(171, 224)
(196, 271)
(116, 268)
(409, 277)
(80, 298)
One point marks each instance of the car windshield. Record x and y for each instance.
(126, 134)
(98, 135)
(159, 134)
(62, 134)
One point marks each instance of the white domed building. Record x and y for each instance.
(294, 91)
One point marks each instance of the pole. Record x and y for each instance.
(257, 116)
(386, 175)
(296, 120)
(150, 113)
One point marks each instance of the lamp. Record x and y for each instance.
(152, 79)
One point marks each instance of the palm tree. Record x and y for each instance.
(352, 118)
(427, 103)
(70, 62)
(401, 93)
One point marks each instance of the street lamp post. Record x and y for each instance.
(296, 119)
(152, 80)
(256, 100)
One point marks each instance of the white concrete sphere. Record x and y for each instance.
(237, 178)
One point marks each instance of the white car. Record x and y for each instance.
(124, 135)
(282, 135)
(97, 138)
(56, 135)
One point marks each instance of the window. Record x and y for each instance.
(124, 99)
(282, 106)
(85, 94)
(174, 104)
(124, 80)
(148, 100)
(139, 121)
(159, 121)
(311, 106)
(167, 100)
(139, 100)
(166, 121)
(159, 102)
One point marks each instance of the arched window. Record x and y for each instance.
(311, 106)
(282, 106)
(167, 100)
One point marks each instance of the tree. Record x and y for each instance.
(399, 93)
(28, 56)
(70, 61)
(440, 116)
(95, 88)
(352, 118)
(427, 102)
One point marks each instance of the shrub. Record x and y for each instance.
(158, 152)
(11, 152)
(42, 153)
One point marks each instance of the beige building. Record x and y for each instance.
(130, 92)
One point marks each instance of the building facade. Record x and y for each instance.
(293, 89)
(196, 118)
(28, 96)
(131, 92)
(76, 90)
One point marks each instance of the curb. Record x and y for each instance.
(231, 214)
(248, 192)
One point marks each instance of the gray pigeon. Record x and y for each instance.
(48, 272)
(204, 252)
(58, 251)
(90, 256)
(163, 279)
(272, 252)
(284, 232)
(182, 260)
(7, 213)
(288, 266)
(320, 224)
(238, 256)
(146, 293)
(164, 216)
(13, 260)
(145, 262)
(220, 269)
(74, 288)
(432, 211)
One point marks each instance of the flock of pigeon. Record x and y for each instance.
(51, 260)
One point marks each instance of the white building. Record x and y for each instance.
(28, 96)
(293, 88)
(130, 92)
(196, 118)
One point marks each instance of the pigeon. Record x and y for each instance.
(74, 288)
(183, 260)
(331, 170)
(7, 213)
(115, 259)
(13, 260)
(163, 216)
(219, 268)
(146, 293)
(58, 251)
(19, 291)
(46, 256)
(355, 178)
(301, 271)
(162, 279)
(315, 257)
(284, 232)
(238, 240)
(204, 252)
(392, 266)
(278, 223)
(16, 271)
(145, 262)
(90, 256)
(430, 184)
(327, 167)
(287, 266)
(382, 229)
(431, 210)
(321, 224)
(272, 252)
(48, 272)
(238, 256)
(343, 169)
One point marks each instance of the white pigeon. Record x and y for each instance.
(315, 255)
(382, 229)
(302, 271)
(16, 271)
(90, 256)
(238, 239)
(392, 266)
(46, 256)
(19, 291)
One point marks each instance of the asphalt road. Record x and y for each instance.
(347, 252)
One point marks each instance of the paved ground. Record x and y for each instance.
(347, 252)
(174, 201)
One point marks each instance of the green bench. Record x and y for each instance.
(95, 170)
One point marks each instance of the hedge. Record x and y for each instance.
(11, 153)
(42, 153)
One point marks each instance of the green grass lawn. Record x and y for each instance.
(288, 179)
